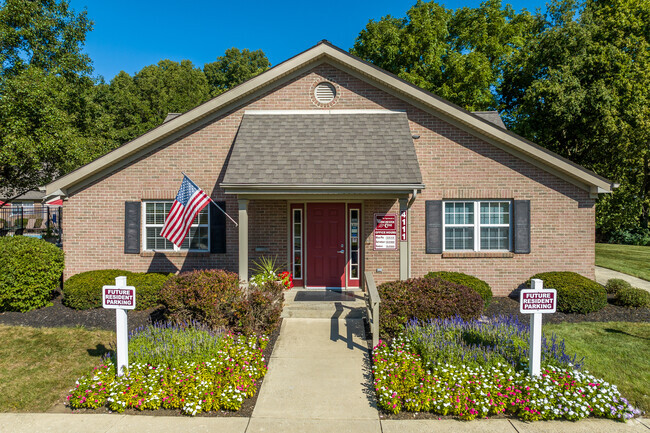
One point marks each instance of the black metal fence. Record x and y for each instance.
(40, 221)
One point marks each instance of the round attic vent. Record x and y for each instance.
(325, 93)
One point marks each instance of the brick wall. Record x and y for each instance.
(454, 164)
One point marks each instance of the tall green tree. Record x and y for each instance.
(134, 105)
(580, 88)
(233, 68)
(458, 55)
(43, 73)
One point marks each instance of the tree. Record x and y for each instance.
(134, 105)
(43, 70)
(580, 88)
(233, 68)
(458, 55)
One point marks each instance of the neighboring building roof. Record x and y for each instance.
(353, 147)
(492, 117)
(171, 116)
(324, 52)
(30, 195)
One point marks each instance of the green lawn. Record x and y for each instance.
(38, 366)
(615, 351)
(629, 259)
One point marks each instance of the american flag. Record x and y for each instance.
(190, 200)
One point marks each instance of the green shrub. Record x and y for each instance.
(84, 291)
(214, 297)
(479, 286)
(633, 297)
(424, 299)
(615, 284)
(30, 270)
(575, 293)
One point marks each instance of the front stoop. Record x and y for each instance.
(324, 304)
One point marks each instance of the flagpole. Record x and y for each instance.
(214, 202)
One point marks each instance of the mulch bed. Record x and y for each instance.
(58, 315)
(611, 313)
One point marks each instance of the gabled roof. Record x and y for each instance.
(323, 147)
(324, 52)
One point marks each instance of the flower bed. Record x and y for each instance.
(492, 382)
(193, 370)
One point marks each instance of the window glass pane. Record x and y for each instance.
(459, 238)
(198, 238)
(296, 216)
(202, 217)
(459, 213)
(495, 213)
(150, 210)
(505, 213)
(354, 272)
(495, 238)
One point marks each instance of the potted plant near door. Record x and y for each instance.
(267, 269)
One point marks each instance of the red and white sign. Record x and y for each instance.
(385, 231)
(403, 221)
(118, 297)
(538, 301)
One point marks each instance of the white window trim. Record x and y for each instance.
(477, 225)
(358, 251)
(293, 244)
(144, 226)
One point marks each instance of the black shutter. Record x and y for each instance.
(132, 227)
(433, 209)
(521, 229)
(217, 228)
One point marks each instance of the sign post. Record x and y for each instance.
(121, 298)
(536, 302)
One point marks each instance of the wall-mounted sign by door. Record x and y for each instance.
(385, 231)
(402, 226)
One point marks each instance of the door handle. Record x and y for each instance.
(341, 252)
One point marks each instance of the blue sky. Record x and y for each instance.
(129, 35)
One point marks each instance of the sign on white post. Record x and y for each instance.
(536, 302)
(121, 298)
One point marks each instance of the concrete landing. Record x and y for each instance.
(319, 370)
(324, 304)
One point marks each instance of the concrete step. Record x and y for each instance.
(322, 312)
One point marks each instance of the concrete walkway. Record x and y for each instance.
(604, 274)
(319, 380)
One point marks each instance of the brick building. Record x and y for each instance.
(336, 167)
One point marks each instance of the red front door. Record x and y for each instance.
(326, 244)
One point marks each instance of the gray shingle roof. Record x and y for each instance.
(325, 148)
(492, 117)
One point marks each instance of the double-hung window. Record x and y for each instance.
(154, 215)
(477, 225)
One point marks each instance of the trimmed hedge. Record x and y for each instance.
(479, 286)
(84, 291)
(30, 270)
(575, 293)
(615, 284)
(633, 297)
(424, 299)
(214, 298)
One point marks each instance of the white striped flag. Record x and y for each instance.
(190, 200)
